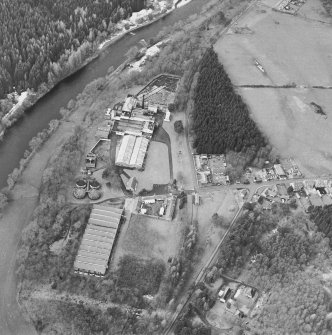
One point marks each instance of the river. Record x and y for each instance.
(47, 108)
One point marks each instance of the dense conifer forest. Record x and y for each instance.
(42, 40)
(221, 119)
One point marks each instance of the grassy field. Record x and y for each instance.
(149, 238)
(284, 114)
(180, 155)
(218, 201)
(314, 10)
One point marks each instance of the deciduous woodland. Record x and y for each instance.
(221, 119)
(40, 41)
(323, 219)
(283, 255)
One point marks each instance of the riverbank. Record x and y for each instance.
(89, 107)
(13, 116)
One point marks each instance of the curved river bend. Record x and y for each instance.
(47, 108)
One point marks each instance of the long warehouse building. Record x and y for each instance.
(98, 240)
(132, 151)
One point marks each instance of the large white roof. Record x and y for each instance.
(98, 239)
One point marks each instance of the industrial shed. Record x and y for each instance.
(98, 239)
(132, 151)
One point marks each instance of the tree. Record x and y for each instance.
(290, 190)
(3, 200)
(171, 107)
(178, 126)
(41, 41)
(217, 220)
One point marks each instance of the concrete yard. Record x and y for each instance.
(156, 167)
(284, 114)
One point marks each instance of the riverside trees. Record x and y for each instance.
(42, 40)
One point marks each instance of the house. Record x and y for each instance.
(320, 183)
(202, 176)
(282, 191)
(297, 186)
(226, 294)
(257, 179)
(250, 292)
(243, 311)
(272, 192)
(305, 203)
(132, 184)
(309, 187)
(108, 114)
(90, 161)
(279, 171)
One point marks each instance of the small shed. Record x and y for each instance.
(161, 211)
(167, 115)
(197, 199)
(90, 160)
(280, 171)
(108, 114)
(149, 199)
